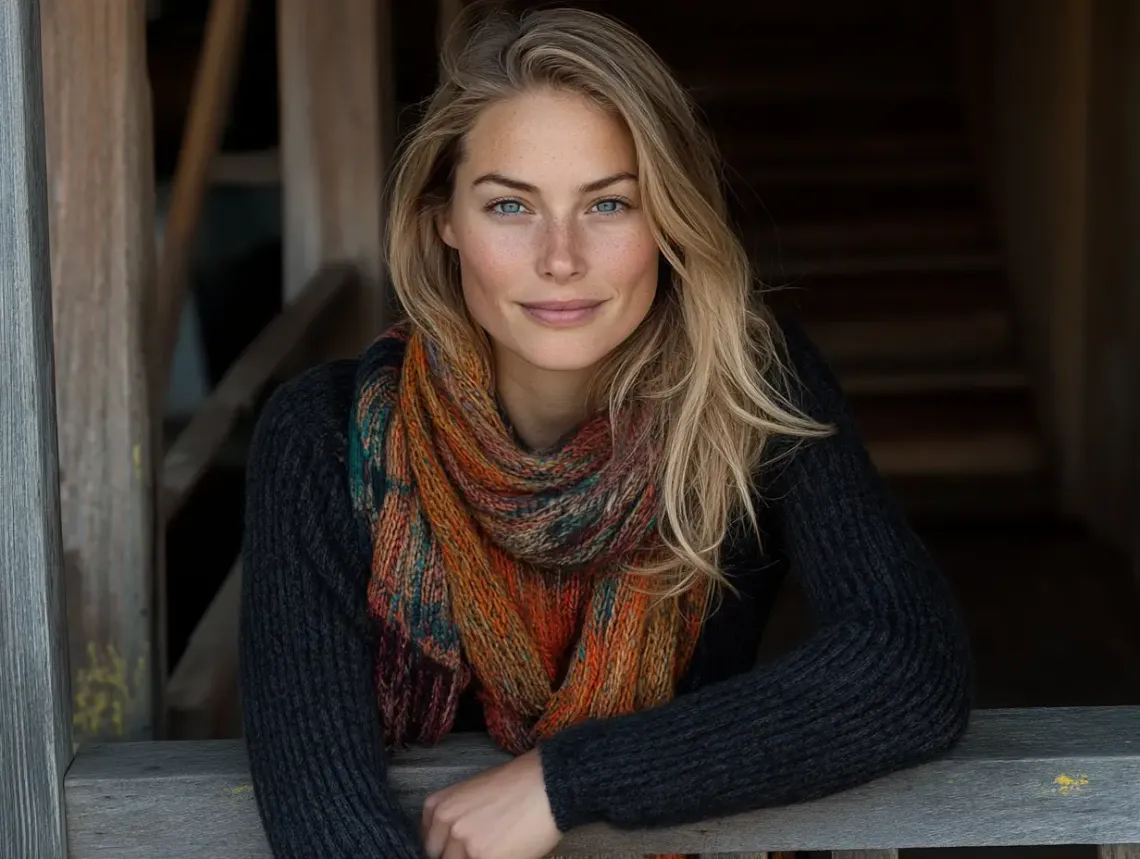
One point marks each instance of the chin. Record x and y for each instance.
(564, 351)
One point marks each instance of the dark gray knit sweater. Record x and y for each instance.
(883, 683)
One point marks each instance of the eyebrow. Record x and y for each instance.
(527, 188)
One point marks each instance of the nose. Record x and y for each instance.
(561, 259)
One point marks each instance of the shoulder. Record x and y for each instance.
(305, 418)
(299, 520)
(299, 451)
(309, 414)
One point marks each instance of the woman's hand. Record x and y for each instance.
(502, 813)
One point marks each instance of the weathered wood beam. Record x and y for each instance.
(202, 696)
(1019, 777)
(1119, 851)
(101, 209)
(205, 121)
(337, 121)
(35, 729)
(199, 443)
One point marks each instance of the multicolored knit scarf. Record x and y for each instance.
(504, 568)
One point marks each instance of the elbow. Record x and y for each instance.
(928, 692)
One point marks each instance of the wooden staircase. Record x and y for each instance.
(852, 183)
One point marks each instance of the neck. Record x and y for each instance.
(542, 405)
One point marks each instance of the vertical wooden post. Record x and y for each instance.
(337, 121)
(35, 739)
(101, 210)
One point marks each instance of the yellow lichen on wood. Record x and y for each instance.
(104, 695)
(1067, 784)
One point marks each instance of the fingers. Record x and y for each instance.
(434, 832)
(456, 849)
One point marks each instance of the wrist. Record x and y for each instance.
(562, 764)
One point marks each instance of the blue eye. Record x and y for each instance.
(609, 207)
(507, 207)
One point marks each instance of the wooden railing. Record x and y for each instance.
(1018, 777)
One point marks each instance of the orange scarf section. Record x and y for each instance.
(507, 565)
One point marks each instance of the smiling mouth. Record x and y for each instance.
(562, 312)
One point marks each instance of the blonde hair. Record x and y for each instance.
(706, 359)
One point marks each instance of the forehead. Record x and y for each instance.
(551, 134)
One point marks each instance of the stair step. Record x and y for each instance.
(864, 45)
(728, 86)
(970, 262)
(939, 378)
(936, 337)
(803, 14)
(915, 174)
(891, 294)
(788, 203)
(827, 116)
(879, 236)
(993, 452)
(895, 319)
(941, 499)
(782, 146)
(967, 434)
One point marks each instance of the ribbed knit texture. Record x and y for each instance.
(509, 567)
(883, 682)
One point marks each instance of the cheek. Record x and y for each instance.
(630, 262)
(491, 260)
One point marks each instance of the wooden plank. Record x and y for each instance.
(932, 378)
(999, 451)
(202, 695)
(1119, 851)
(209, 108)
(1018, 777)
(197, 446)
(101, 209)
(874, 236)
(934, 336)
(337, 116)
(260, 168)
(35, 734)
(967, 262)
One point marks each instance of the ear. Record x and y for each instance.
(443, 227)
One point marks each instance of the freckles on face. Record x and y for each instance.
(557, 258)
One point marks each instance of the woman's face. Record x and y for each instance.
(557, 260)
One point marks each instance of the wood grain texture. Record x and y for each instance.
(1119, 851)
(205, 121)
(1019, 777)
(197, 446)
(337, 121)
(101, 209)
(35, 739)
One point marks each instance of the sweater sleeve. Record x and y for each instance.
(883, 683)
(311, 723)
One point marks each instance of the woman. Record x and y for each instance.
(556, 503)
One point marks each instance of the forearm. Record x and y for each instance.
(855, 702)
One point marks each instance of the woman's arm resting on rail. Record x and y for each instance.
(883, 683)
(309, 705)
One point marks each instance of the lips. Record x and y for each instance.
(561, 313)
